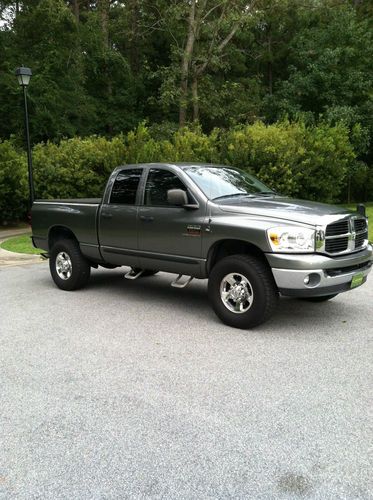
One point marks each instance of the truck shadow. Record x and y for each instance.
(193, 301)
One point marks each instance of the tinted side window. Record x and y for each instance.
(125, 187)
(157, 185)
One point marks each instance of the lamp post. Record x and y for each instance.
(24, 76)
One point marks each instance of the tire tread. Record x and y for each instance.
(81, 267)
(263, 272)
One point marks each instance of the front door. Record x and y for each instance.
(170, 237)
(118, 219)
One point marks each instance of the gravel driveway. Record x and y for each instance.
(135, 390)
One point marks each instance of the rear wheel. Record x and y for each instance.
(323, 298)
(242, 291)
(69, 268)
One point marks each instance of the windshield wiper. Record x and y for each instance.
(232, 196)
(266, 193)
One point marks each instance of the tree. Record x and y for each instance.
(200, 35)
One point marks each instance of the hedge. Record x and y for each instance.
(311, 162)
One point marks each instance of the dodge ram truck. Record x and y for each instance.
(207, 222)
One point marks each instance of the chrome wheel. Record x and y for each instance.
(64, 267)
(236, 293)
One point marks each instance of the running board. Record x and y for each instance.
(177, 284)
(44, 255)
(133, 276)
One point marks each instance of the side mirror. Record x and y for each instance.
(360, 209)
(177, 197)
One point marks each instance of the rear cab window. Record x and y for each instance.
(125, 187)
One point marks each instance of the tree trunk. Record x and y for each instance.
(75, 7)
(134, 48)
(270, 65)
(104, 8)
(195, 99)
(185, 65)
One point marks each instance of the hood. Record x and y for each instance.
(281, 207)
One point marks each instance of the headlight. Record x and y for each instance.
(291, 239)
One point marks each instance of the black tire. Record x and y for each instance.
(323, 298)
(147, 272)
(77, 275)
(260, 283)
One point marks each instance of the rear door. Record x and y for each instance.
(118, 219)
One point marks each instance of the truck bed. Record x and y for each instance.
(77, 214)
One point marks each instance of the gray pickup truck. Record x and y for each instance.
(207, 221)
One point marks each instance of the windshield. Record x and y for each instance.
(222, 182)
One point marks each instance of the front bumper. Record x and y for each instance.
(317, 275)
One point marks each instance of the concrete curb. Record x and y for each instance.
(13, 258)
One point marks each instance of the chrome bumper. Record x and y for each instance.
(322, 276)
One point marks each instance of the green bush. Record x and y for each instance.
(311, 162)
(182, 145)
(271, 152)
(13, 183)
(75, 167)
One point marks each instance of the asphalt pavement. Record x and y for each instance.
(134, 389)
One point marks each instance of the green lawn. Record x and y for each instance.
(20, 244)
(369, 207)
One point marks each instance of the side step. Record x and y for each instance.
(131, 275)
(177, 284)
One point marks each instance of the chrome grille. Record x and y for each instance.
(360, 239)
(336, 245)
(346, 235)
(337, 228)
(360, 225)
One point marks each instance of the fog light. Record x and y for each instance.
(312, 280)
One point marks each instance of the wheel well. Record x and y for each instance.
(59, 232)
(225, 248)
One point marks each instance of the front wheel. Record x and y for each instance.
(242, 291)
(68, 267)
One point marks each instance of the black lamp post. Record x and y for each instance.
(24, 76)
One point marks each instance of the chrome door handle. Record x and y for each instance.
(146, 218)
(107, 216)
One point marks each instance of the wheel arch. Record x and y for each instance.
(230, 246)
(58, 232)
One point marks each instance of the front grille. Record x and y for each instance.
(346, 235)
(336, 245)
(360, 225)
(337, 228)
(360, 239)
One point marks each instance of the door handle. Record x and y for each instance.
(107, 216)
(146, 218)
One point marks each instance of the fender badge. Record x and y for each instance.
(193, 230)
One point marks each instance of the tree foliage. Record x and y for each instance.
(294, 159)
(102, 67)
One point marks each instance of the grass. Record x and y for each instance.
(20, 244)
(369, 207)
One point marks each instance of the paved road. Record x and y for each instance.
(135, 390)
